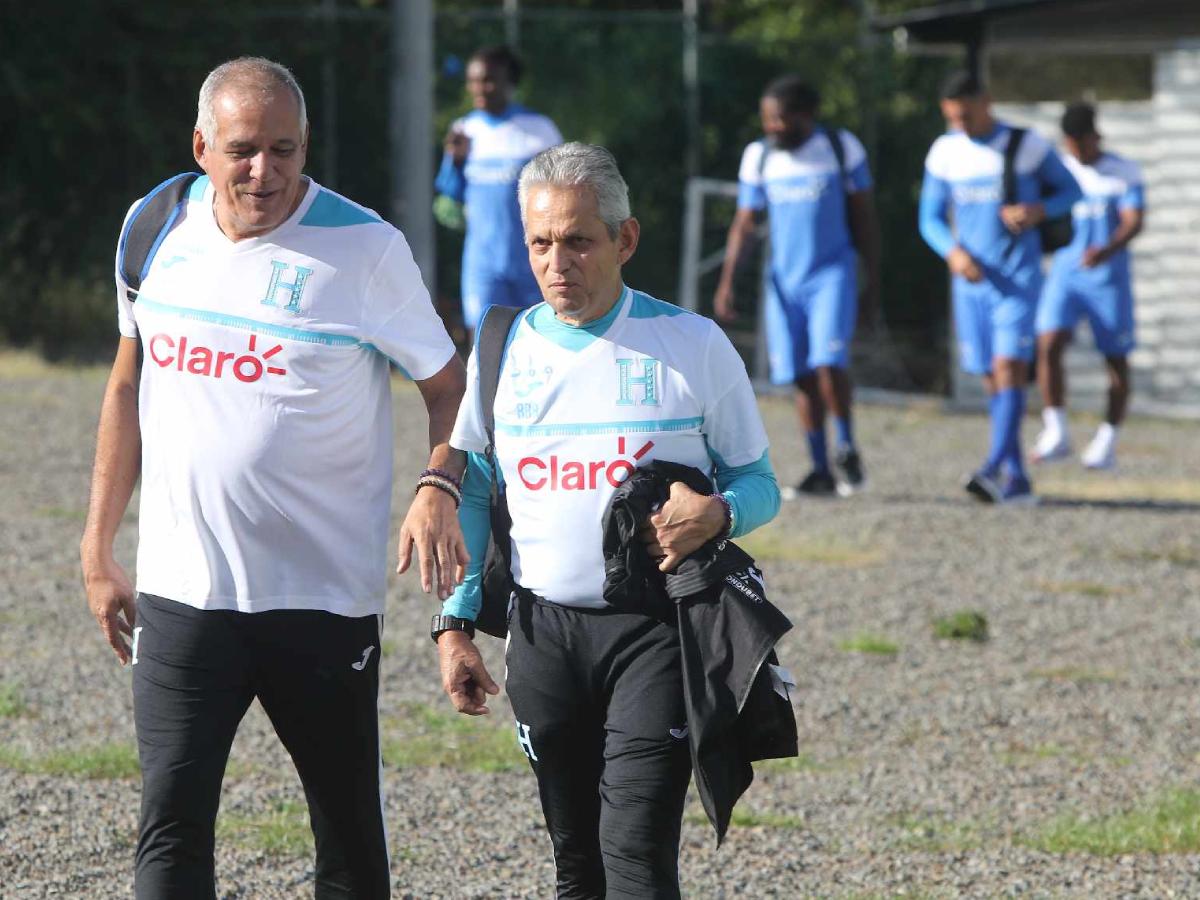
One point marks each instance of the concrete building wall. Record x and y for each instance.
(1163, 136)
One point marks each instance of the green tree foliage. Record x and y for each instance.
(100, 96)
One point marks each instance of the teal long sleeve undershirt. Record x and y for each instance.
(751, 490)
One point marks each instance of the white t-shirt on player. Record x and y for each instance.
(265, 405)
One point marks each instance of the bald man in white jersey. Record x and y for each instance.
(260, 426)
(597, 380)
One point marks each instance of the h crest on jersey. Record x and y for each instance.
(292, 290)
(646, 381)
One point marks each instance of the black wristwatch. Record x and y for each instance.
(442, 624)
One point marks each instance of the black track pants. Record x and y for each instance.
(195, 673)
(598, 699)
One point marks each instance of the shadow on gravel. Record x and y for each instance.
(1131, 503)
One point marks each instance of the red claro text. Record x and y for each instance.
(196, 359)
(556, 474)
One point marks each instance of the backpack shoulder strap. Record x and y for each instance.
(493, 335)
(146, 228)
(839, 151)
(762, 158)
(1015, 136)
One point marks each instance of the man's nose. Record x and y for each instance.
(258, 166)
(560, 258)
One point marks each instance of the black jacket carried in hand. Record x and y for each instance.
(737, 705)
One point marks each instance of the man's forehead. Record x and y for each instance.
(572, 200)
(241, 109)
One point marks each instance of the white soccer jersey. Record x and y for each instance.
(576, 413)
(264, 405)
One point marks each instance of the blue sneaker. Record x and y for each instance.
(1018, 492)
(983, 487)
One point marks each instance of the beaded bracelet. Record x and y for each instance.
(441, 484)
(442, 473)
(727, 528)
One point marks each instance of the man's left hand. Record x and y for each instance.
(682, 525)
(1094, 256)
(432, 526)
(1020, 217)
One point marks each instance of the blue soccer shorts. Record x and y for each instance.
(812, 325)
(991, 324)
(1107, 307)
(482, 289)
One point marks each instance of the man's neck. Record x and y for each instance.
(587, 317)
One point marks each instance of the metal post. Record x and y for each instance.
(329, 103)
(512, 23)
(411, 129)
(691, 86)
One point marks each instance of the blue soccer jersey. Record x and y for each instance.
(804, 196)
(495, 267)
(964, 184)
(1103, 293)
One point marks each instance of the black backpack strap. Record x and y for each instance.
(762, 160)
(146, 228)
(1015, 136)
(493, 336)
(839, 152)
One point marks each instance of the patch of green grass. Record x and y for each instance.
(282, 831)
(778, 544)
(1086, 588)
(104, 761)
(1019, 756)
(12, 704)
(387, 647)
(1182, 555)
(422, 736)
(746, 819)
(869, 643)
(964, 625)
(933, 834)
(1167, 824)
(1076, 674)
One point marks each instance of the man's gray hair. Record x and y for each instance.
(575, 164)
(247, 73)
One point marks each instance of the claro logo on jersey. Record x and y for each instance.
(539, 473)
(196, 359)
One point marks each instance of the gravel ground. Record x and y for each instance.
(931, 771)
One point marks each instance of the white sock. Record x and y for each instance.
(1055, 419)
(1106, 435)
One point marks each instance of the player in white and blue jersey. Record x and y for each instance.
(484, 153)
(1090, 277)
(994, 252)
(815, 185)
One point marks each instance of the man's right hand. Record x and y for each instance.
(110, 597)
(962, 263)
(723, 306)
(465, 679)
(457, 145)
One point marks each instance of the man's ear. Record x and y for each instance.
(627, 239)
(199, 147)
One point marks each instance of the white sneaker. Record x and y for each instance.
(1101, 453)
(1050, 446)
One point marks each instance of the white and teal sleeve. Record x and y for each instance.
(735, 437)
(475, 521)
(398, 318)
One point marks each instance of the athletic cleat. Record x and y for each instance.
(1050, 446)
(849, 466)
(983, 487)
(815, 484)
(1018, 492)
(1099, 454)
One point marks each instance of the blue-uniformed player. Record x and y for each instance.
(1090, 277)
(815, 184)
(484, 153)
(994, 252)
